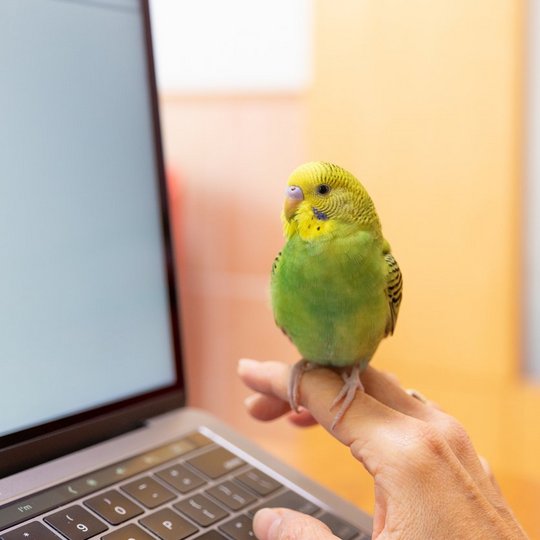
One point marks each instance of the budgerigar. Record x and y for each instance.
(336, 287)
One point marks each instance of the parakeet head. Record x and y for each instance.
(320, 196)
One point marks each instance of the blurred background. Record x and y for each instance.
(432, 105)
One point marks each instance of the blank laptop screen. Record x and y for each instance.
(84, 312)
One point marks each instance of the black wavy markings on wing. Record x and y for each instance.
(394, 289)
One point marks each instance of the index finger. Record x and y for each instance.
(369, 427)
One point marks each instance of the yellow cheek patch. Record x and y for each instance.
(308, 225)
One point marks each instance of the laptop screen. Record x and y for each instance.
(84, 285)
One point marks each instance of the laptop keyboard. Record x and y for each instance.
(190, 488)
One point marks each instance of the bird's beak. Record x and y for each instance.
(293, 197)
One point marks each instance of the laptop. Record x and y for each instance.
(95, 437)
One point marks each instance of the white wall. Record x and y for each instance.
(232, 46)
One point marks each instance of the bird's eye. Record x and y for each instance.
(323, 189)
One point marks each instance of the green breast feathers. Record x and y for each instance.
(336, 288)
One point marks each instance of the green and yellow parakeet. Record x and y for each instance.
(336, 288)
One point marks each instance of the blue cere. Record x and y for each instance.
(319, 215)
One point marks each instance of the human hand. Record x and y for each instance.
(429, 481)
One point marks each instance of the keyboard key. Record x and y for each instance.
(201, 510)
(129, 532)
(258, 482)
(168, 525)
(239, 528)
(339, 527)
(231, 495)
(148, 492)
(76, 523)
(288, 499)
(211, 535)
(114, 507)
(216, 462)
(181, 478)
(33, 505)
(199, 439)
(30, 531)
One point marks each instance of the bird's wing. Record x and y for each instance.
(275, 264)
(394, 289)
(275, 269)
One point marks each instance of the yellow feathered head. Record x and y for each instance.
(321, 195)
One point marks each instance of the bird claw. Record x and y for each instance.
(347, 393)
(294, 383)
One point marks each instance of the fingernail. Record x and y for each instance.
(250, 401)
(417, 395)
(246, 364)
(266, 523)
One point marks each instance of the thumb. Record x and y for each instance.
(282, 524)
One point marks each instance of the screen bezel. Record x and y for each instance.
(38, 444)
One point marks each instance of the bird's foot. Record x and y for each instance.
(294, 383)
(352, 383)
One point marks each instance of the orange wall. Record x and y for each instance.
(423, 101)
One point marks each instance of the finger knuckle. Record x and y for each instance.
(412, 448)
(454, 433)
(425, 444)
